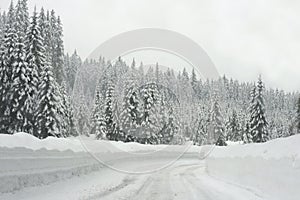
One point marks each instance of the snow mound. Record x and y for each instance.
(276, 149)
(86, 144)
(271, 170)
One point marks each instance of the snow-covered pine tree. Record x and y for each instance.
(22, 17)
(35, 53)
(65, 112)
(149, 123)
(58, 53)
(35, 58)
(42, 22)
(47, 34)
(130, 116)
(20, 91)
(233, 128)
(108, 111)
(298, 116)
(8, 59)
(133, 67)
(217, 125)
(194, 82)
(98, 126)
(72, 68)
(258, 123)
(47, 122)
(83, 117)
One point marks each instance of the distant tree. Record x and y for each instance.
(130, 116)
(258, 123)
(108, 111)
(298, 115)
(58, 53)
(233, 128)
(217, 125)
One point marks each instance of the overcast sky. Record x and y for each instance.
(244, 38)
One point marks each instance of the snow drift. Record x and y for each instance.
(26, 161)
(271, 170)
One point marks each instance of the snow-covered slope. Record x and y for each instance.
(84, 144)
(271, 170)
(26, 161)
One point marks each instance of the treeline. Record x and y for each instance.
(33, 86)
(131, 104)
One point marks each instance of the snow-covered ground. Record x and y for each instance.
(270, 169)
(82, 168)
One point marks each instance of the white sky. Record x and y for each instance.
(244, 38)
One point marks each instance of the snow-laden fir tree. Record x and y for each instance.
(194, 81)
(35, 58)
(35, 53)
(71, 69)
(47, 121)
(150, 122)
(217, 125)
(130, 116)
(20, 90)
(258, 123)
(22, 17)
(108, 111)
(233, 128)
(65, 112)
(58, 53)
(298, 115)
(8, 59)
(99, 126)
(82, 115)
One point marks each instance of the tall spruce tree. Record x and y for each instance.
(22, 17)
(233, 128)
(217, 125)
(58, 53)
(47, 122)
(108, 111)
(258, 123)
(298, 115)
(130, 115)
(35, 58)
(8, 59)
(20, 90)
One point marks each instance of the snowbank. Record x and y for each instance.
(84, 144)
(271, 170)
(26, 161)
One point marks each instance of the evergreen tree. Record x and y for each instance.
(71, 70)
(83, 117)
(8, 59)
(217, 125)
(20, 91)
(130, 115)
(99, 125)
(47, 122)
(35, 58)
(58, 52)
(108, 111)
(298, 115)
(258, 123)
(22, 17)
(194, 81)
(233, 129)
(35, 53)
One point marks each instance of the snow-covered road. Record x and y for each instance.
(185, 179)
